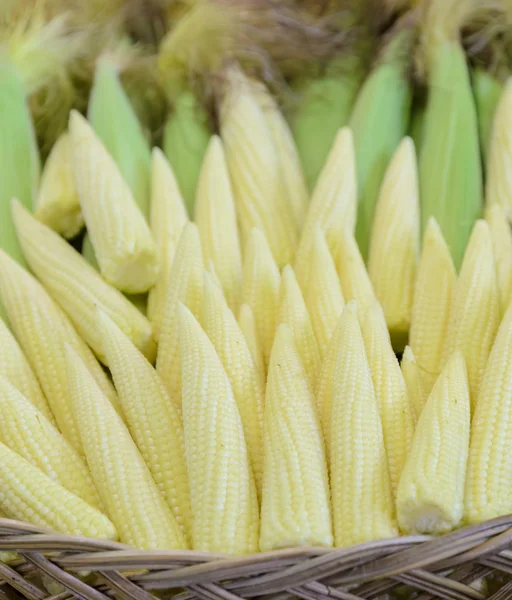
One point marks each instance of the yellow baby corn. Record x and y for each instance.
(362, 498)
(77, 287)
(129, 493)
(253, 163)
(29, 433)
(228, 340)
(334, 199)
(323, 294)
(396, 411)
(42, 329)
(185, 286)
(247, 325)
(417, 381)
(27, 494)
(260, 288)
(295, 507)
(430, 496)
(121, 238)
(394, 241)
(475, 311)
(222, 489)
(498, 188)
(432, 302)
(354, 278)
(153, 419)
(293, 312)
(502, 245)
(215, 218)
(489, 475)
(15, 367)
(57, 203)
(168, 216)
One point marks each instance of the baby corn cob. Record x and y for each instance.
(15, 367)
(42, 329)
(260, 288)
(432, 302)
(334, 198)
(222, 489)
(293, 312)
(77, 287)
(129, 493)
(394, 242)
(57, 202)
(121, 238)
(185, 286)
(354, 278)
(247, 325)
(502, 245)
(168, 217)
(253, 163)
(295, 507)
(475, 311)
(430, 496)
(27, 494)
(228, 340)
(489, 475)
(153, 419)
(362, 498)
(29, 433)
(414, 376)
(396, 411)
(323, 294)
(215, 218)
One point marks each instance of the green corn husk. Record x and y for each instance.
(417, 122)
(450, 171)
(379, 121)
(487, 89)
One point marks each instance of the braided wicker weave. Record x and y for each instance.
(473, 563)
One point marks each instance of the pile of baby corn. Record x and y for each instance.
(215, 366)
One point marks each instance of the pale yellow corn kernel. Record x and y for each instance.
(489, 475)
(293, 312)
(228, 340)
(253, 162)
(475, 310)
(502, 244)
(15, 367)
(289, 161)
(433, 297)
(57, 202)
(322, 292)
(261, 282)
(77, 287)
(27, 494)
(222, 488)
(215, 217)
(247, 325)
(29, 433)
(167, 218)
(354, 278)
(295, 507)
(42, 329)
(362, 499)
(396, 411)
(395, 241)
(499, 186)
(430, 497)
(131, 497)
(185, 286)
(418, 381)
(123, 244)
(334, 201)
(152, 418)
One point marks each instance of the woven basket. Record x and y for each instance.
(473, 563)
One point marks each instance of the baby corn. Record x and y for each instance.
(247, 326)
(502, 245)
(417, 381)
